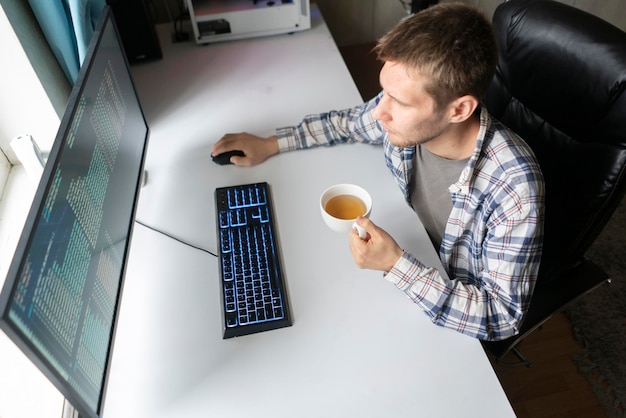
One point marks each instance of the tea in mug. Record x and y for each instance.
(345, 206)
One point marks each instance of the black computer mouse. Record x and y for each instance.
(224, 158)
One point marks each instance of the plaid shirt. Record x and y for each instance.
(491, 247)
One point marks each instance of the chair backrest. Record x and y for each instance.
(560, 84)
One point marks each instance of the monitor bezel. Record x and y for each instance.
(25, 240)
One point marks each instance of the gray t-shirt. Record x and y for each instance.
(432, 175)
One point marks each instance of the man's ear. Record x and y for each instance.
(462, 108)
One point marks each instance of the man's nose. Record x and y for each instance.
(379, 112)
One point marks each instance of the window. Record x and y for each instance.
(25, 108)
(5, 168)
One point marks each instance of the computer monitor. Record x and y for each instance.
(61, 297)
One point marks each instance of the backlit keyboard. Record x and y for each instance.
(253, 289)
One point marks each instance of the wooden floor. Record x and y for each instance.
(552, 386)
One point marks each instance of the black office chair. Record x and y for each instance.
(560, 84)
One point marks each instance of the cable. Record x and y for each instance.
(179, 34)
(176, 239)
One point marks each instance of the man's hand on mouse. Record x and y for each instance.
(255, 148)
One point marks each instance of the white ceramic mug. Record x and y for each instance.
(340, 224)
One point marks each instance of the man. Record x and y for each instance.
(475, 185)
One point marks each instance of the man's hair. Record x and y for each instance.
(450, 43)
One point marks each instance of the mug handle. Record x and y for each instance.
(361, 231)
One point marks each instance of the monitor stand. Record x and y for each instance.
(69, 411)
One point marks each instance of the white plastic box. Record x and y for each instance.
(221, 20)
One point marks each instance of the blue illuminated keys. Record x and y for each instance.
(254, 297)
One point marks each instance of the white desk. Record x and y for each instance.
(358, 347)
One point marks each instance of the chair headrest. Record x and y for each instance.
(566, 65)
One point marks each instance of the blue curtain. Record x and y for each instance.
(68, 26)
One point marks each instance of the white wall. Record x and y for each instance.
(24, 105)
(24, 108)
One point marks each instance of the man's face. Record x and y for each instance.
(406, 111)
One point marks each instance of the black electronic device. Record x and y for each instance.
(254, 295)
(216, 21)
(224, 158)
(60, 301)
(136, 28)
